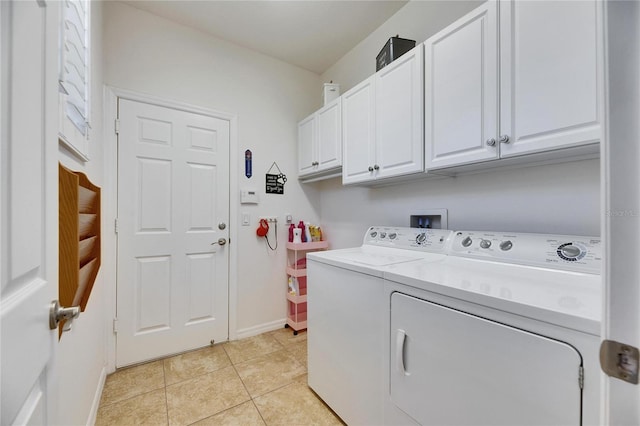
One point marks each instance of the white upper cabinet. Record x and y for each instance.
(461, 90)
(550, 70)
(538, 93)
(399, 116)
(382, 122)
(320, 143)
(358, 132)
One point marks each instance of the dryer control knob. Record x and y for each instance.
(421, 238)
(570, 251)
(467, 242)
(392, 236)
(485, 244)
(383, 234)
(373, 234)
(506, 245)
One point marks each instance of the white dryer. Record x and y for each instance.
(345, 322)
(504, 331)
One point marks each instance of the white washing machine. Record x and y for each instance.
(345, 322)
(504, 331)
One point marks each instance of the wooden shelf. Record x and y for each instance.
(79, 235)
(317, 245)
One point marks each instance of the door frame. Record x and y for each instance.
(110, 202)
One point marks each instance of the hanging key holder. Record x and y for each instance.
(275, 181)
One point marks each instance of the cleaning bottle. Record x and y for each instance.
(291, 227)
(303, 235)
(307, 232)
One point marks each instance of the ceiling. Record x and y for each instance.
(312, 34)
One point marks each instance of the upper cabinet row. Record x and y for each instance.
(510, 82)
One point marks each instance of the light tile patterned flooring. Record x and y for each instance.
(261, 380)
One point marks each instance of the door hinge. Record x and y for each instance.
(116, 126)
(115, 225)
(620, 361)
(115, 326)
(581, 377)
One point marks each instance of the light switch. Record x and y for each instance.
(246, 219)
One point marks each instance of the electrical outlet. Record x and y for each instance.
(270, 219)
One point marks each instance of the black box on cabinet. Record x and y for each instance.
(392, 50)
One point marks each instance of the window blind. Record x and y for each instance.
(75, 62)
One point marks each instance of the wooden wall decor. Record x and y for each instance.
(79, 235)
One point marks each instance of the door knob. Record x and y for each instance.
(57, 314)
(370, 169)
(504, 139)
(221, 241)
(491, 142)
(222, 225)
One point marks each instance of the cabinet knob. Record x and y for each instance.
(491, 142)
(315, 163)
(376, 167)
(504, 139)
(370, 168)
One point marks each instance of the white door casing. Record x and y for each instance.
(173, 192)
(28, 210)
(620, 187)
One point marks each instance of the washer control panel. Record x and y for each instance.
(583, 254)
(420, 239)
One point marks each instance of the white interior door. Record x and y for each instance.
(621, 187)
(29, 205)
(173, 208)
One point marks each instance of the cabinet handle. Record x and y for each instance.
(400, 338)
(491, 142)
(370, 168)
(504, 139)
(376, 167)
(315, 163)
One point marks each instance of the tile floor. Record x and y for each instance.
(261, 380)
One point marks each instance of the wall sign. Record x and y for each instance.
(275, 182)
(248, 158)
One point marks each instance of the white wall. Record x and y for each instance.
(416, 21)
(562, 198)
(149, 54)
(81, 358)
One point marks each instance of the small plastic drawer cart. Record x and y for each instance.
(297, 277)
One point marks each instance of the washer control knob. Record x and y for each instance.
(485, 244)
(421, 238)
(383, 234)
(373, 234)
(467, 242)
(570, 251)
(392, 236)
(506, 245)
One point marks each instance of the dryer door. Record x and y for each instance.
(452, 368)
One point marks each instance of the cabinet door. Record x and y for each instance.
(399, 112)
(550, 66)
(461, 90)
(307, 146)
(329, 121)
(358, 132)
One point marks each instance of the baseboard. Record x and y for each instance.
(93, 414)
(261, 328)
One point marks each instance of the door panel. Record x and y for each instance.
(173, 191)
(461, 90)
(306, 145)
(28, 212)
(330, 136)
(399, 116)
(358, 132)
(549, 78)
(452, 368)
